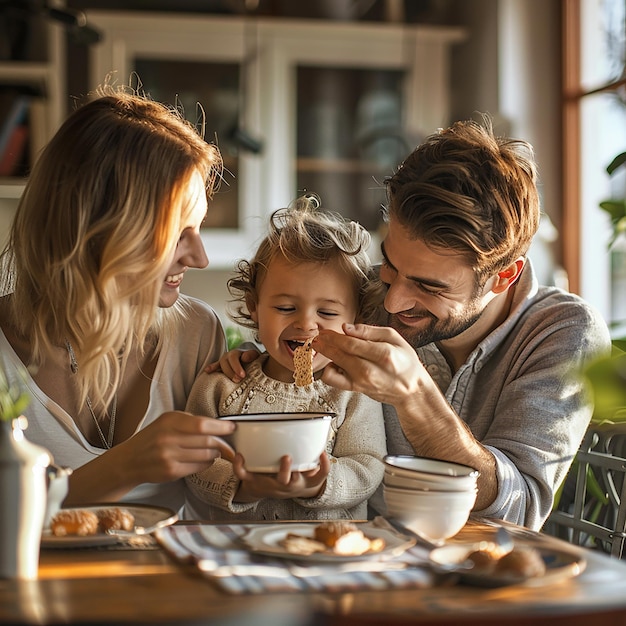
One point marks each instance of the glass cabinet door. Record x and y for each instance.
(208, 96)
(349, 137)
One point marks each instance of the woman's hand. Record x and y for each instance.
(178, 444)
(374, 360)
(284, 484)
(231, 362)
(173, 446)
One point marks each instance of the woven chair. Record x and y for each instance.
(591, 508)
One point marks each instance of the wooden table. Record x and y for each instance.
(96, 586)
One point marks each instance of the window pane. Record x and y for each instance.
(604, 136)
(603, 42)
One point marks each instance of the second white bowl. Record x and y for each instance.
(433, 470)
(419, 482)
(435, 516)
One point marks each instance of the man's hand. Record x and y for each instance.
(231, 362)
(373, 360)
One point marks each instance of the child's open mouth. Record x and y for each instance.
(293, 344)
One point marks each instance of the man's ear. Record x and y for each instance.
(506, 277)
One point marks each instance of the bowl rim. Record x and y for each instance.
(425, 477)
(467, 470)
(278, 416)
(407, 493)
(431, 489)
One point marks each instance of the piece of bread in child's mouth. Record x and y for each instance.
(303, 364)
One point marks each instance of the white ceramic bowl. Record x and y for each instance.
(408, 497)
(263, 438)
(435, 516)
(432, 470)
(417, 482)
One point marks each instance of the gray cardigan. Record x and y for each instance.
(522, 397)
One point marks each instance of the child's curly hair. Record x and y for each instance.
(304, 233)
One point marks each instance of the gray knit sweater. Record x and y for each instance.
(521, 395)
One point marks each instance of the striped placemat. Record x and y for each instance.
(220, 553)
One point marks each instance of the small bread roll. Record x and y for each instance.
(339, 537)
(521, 562)
(115, 518)
(353, 543)
(329, 532)
(482, 560)
(74, 522)
(302, 546)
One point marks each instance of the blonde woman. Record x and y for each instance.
(107, 226)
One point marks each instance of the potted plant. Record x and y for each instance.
(23, 487)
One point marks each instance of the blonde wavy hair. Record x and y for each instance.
(305, 233)
(95, 229)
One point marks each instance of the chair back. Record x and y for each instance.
(591, 510)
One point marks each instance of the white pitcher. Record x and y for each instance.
(23, 500)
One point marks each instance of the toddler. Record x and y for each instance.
(311, 272)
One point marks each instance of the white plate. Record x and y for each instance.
(267, 540)
(147, 517)
(559, 565)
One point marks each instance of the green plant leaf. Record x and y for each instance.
(618, 346)
(13, 399)
(615, 208)
(618, 161)
(234, 338)
(593, 486)
(607, 379)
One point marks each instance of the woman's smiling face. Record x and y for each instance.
(294, 303)
(190, 249)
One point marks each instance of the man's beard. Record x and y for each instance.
(437, 330)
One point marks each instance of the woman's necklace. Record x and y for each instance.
(107, 442)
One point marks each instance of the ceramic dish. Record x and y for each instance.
(432, 521)
(559, 565)
(263, 438)
(267, 540)
(433, 470)
(401, 495)
(147, 520)
(420, 483)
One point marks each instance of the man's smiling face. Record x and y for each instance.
(432, 296)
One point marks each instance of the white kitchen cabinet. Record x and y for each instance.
(333, 105)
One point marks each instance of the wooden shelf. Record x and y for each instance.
(11, 187)
(24, 72)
